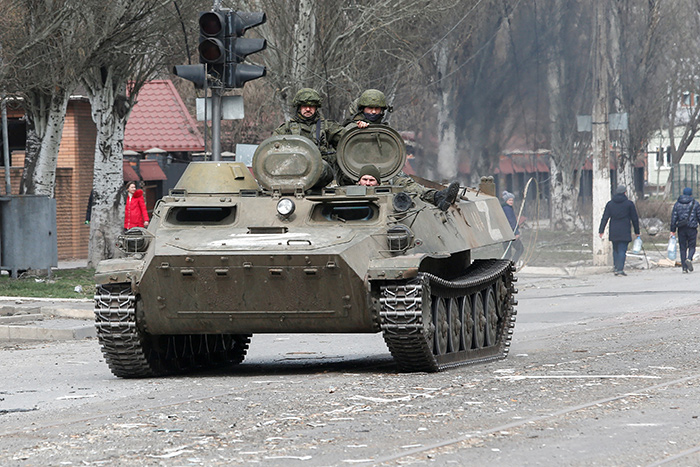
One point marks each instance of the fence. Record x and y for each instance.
(684, 175)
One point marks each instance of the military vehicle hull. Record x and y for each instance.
(220, 263)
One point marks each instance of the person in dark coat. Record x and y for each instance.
(685, 217)
(621, 212)
(516, 246)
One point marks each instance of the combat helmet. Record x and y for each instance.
(307, 96)
(372, 98)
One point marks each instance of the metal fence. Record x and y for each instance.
(684, 175)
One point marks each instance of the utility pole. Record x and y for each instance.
(601, 139)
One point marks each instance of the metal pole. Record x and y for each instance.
(6, 147)
(216, 124)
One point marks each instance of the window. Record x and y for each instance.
(345, 212)
(202, 215)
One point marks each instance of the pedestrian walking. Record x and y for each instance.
(516, 246)
(135, 213)
(622, 214)
(684, 219)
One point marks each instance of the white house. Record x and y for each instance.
(659, 149)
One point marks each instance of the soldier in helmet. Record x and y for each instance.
(308, 122)
(370, 109)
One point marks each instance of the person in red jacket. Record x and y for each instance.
(135, 214)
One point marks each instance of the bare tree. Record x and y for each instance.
(132, 43)
(41, 65)
(639, 87)
(357, 45)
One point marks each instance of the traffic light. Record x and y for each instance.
(212, 44)
(238, 48)
(195, 73)
(222, 50)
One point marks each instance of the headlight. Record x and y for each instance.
(402, 201)
(399, 238)
(134, 240)
(285, 207)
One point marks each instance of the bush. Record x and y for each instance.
(655, 208)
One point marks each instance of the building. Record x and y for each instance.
(159, 136)
(661, 167)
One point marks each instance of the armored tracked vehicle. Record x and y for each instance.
(228, 255)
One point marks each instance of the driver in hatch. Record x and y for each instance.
(370, 110)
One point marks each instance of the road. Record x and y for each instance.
(603, 370)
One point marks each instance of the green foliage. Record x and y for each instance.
(61, 285)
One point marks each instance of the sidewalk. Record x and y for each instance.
(24, 319)
(37, 319)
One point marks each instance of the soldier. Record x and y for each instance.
(370, 109)
(308, 122)
(369, 176)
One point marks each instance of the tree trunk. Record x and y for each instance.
(304, 40)
(563, 181)
(447, 131)
(601, 156)
(46, 115)
(626, 154)
(108, 180)
(564, 197)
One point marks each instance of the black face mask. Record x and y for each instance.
(310, 119)
(372, 117)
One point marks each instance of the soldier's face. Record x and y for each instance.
(368, 180)
(373, 110)
(307, 110)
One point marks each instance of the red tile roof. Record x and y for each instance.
(150, 170)
(160, 119)
(522, 163)
(129, 173)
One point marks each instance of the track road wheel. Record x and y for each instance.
(479, 321)
(491, 317)
(454, 320)
(441, 325)
(467, 317)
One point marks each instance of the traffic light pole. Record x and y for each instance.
(222, 50)
(216, 124)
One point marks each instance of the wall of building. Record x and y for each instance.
(73, 179)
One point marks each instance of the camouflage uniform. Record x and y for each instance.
(375, 98)
(324, 133)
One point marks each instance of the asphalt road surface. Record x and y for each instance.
(603, 370)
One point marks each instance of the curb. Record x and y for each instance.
(32, 319)
(55, 329)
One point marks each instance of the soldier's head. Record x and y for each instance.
(372, 103)
(307, 102)
(369, 176)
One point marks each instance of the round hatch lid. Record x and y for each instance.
(379, 145)
(287, 162)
